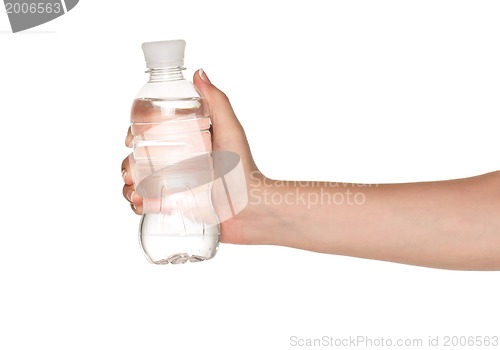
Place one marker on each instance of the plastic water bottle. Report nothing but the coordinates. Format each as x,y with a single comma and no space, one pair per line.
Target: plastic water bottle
173,166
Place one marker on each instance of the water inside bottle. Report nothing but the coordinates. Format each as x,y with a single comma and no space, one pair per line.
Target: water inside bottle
172,171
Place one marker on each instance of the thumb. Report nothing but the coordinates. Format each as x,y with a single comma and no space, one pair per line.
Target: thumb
221,112
228,134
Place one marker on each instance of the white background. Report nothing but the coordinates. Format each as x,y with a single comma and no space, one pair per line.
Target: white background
359,91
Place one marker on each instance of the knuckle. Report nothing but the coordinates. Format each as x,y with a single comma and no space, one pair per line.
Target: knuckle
223,97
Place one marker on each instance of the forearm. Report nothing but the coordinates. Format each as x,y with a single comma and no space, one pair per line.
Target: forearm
448,224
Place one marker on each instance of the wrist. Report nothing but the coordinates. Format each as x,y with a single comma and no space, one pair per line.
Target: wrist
260,222
273,217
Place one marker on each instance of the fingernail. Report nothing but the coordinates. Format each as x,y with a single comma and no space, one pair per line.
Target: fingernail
124,175
130,196
203,76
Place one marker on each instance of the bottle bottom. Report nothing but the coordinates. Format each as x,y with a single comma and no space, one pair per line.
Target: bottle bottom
180,259
165,240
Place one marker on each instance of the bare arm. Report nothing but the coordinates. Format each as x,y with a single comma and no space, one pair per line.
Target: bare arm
448,224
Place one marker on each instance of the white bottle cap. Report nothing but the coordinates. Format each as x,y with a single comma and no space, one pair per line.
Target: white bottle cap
167,53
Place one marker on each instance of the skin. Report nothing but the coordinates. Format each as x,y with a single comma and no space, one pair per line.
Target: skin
451,224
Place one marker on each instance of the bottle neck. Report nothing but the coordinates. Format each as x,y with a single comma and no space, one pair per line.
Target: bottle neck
165,74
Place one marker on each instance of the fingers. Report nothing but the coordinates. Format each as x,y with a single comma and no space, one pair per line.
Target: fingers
132,196
128,191
126,171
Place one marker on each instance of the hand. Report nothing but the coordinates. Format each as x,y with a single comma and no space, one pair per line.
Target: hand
227,135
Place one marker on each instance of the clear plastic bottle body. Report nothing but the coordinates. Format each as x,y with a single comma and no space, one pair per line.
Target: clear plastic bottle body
173,170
